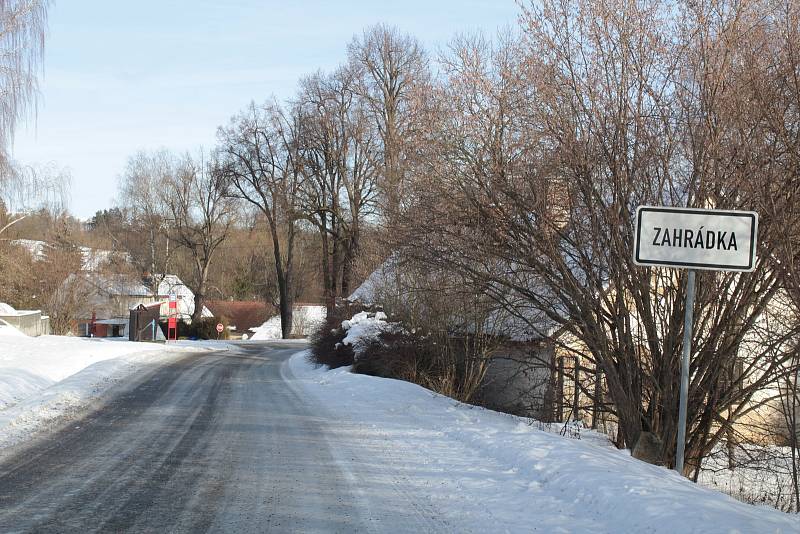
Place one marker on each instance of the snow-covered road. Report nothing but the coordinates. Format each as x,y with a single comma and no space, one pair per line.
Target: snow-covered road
214,441
256,440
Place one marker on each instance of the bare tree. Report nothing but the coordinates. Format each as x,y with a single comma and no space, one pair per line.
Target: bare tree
259,163
202,216
339,147
141,196
771,84
534,204
23,24
392,78
31,187
22,30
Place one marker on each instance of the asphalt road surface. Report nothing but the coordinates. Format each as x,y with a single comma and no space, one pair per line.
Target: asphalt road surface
215,442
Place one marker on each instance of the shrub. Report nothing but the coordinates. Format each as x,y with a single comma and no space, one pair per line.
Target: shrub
203,328
326,343
398,355
450,366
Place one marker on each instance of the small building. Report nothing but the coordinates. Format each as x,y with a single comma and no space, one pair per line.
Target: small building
144,323
29,322
117,327
106,302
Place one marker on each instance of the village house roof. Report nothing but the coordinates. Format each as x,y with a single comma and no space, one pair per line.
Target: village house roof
171,284
119,285
513,317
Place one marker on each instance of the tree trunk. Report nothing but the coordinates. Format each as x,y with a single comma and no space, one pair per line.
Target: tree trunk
200,292
598,396
560,391
327,283
285,279
576,400
153,255
286,307
350,253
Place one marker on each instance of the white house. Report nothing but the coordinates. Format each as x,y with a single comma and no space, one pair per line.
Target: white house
172,285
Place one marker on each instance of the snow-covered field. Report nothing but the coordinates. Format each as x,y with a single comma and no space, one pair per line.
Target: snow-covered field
476,470
46,378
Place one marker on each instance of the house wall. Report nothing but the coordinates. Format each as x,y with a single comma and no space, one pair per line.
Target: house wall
518,380
765,423
102,330
537,380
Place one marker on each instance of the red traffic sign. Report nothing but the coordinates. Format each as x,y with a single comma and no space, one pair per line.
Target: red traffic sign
220,328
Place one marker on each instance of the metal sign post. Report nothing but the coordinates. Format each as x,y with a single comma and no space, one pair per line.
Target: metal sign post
686,238
688,321
172,320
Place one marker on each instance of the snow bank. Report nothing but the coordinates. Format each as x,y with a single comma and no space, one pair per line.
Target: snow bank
48,377
305,319
8,330
271,329
483,471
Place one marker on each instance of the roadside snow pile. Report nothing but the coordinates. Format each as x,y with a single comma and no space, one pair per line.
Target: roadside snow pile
8,330
475,470
365,328
44,378
271,329
305,319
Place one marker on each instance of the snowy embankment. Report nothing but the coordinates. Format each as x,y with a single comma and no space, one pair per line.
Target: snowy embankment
305,320
483,471
47,378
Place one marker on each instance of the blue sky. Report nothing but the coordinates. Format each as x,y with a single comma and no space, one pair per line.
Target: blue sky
124,76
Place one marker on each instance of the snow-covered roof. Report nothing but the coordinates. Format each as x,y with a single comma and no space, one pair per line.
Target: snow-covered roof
513,316
119,284
171,284
8,311
116,321
380,278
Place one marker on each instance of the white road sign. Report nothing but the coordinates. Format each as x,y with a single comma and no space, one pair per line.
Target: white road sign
716,240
